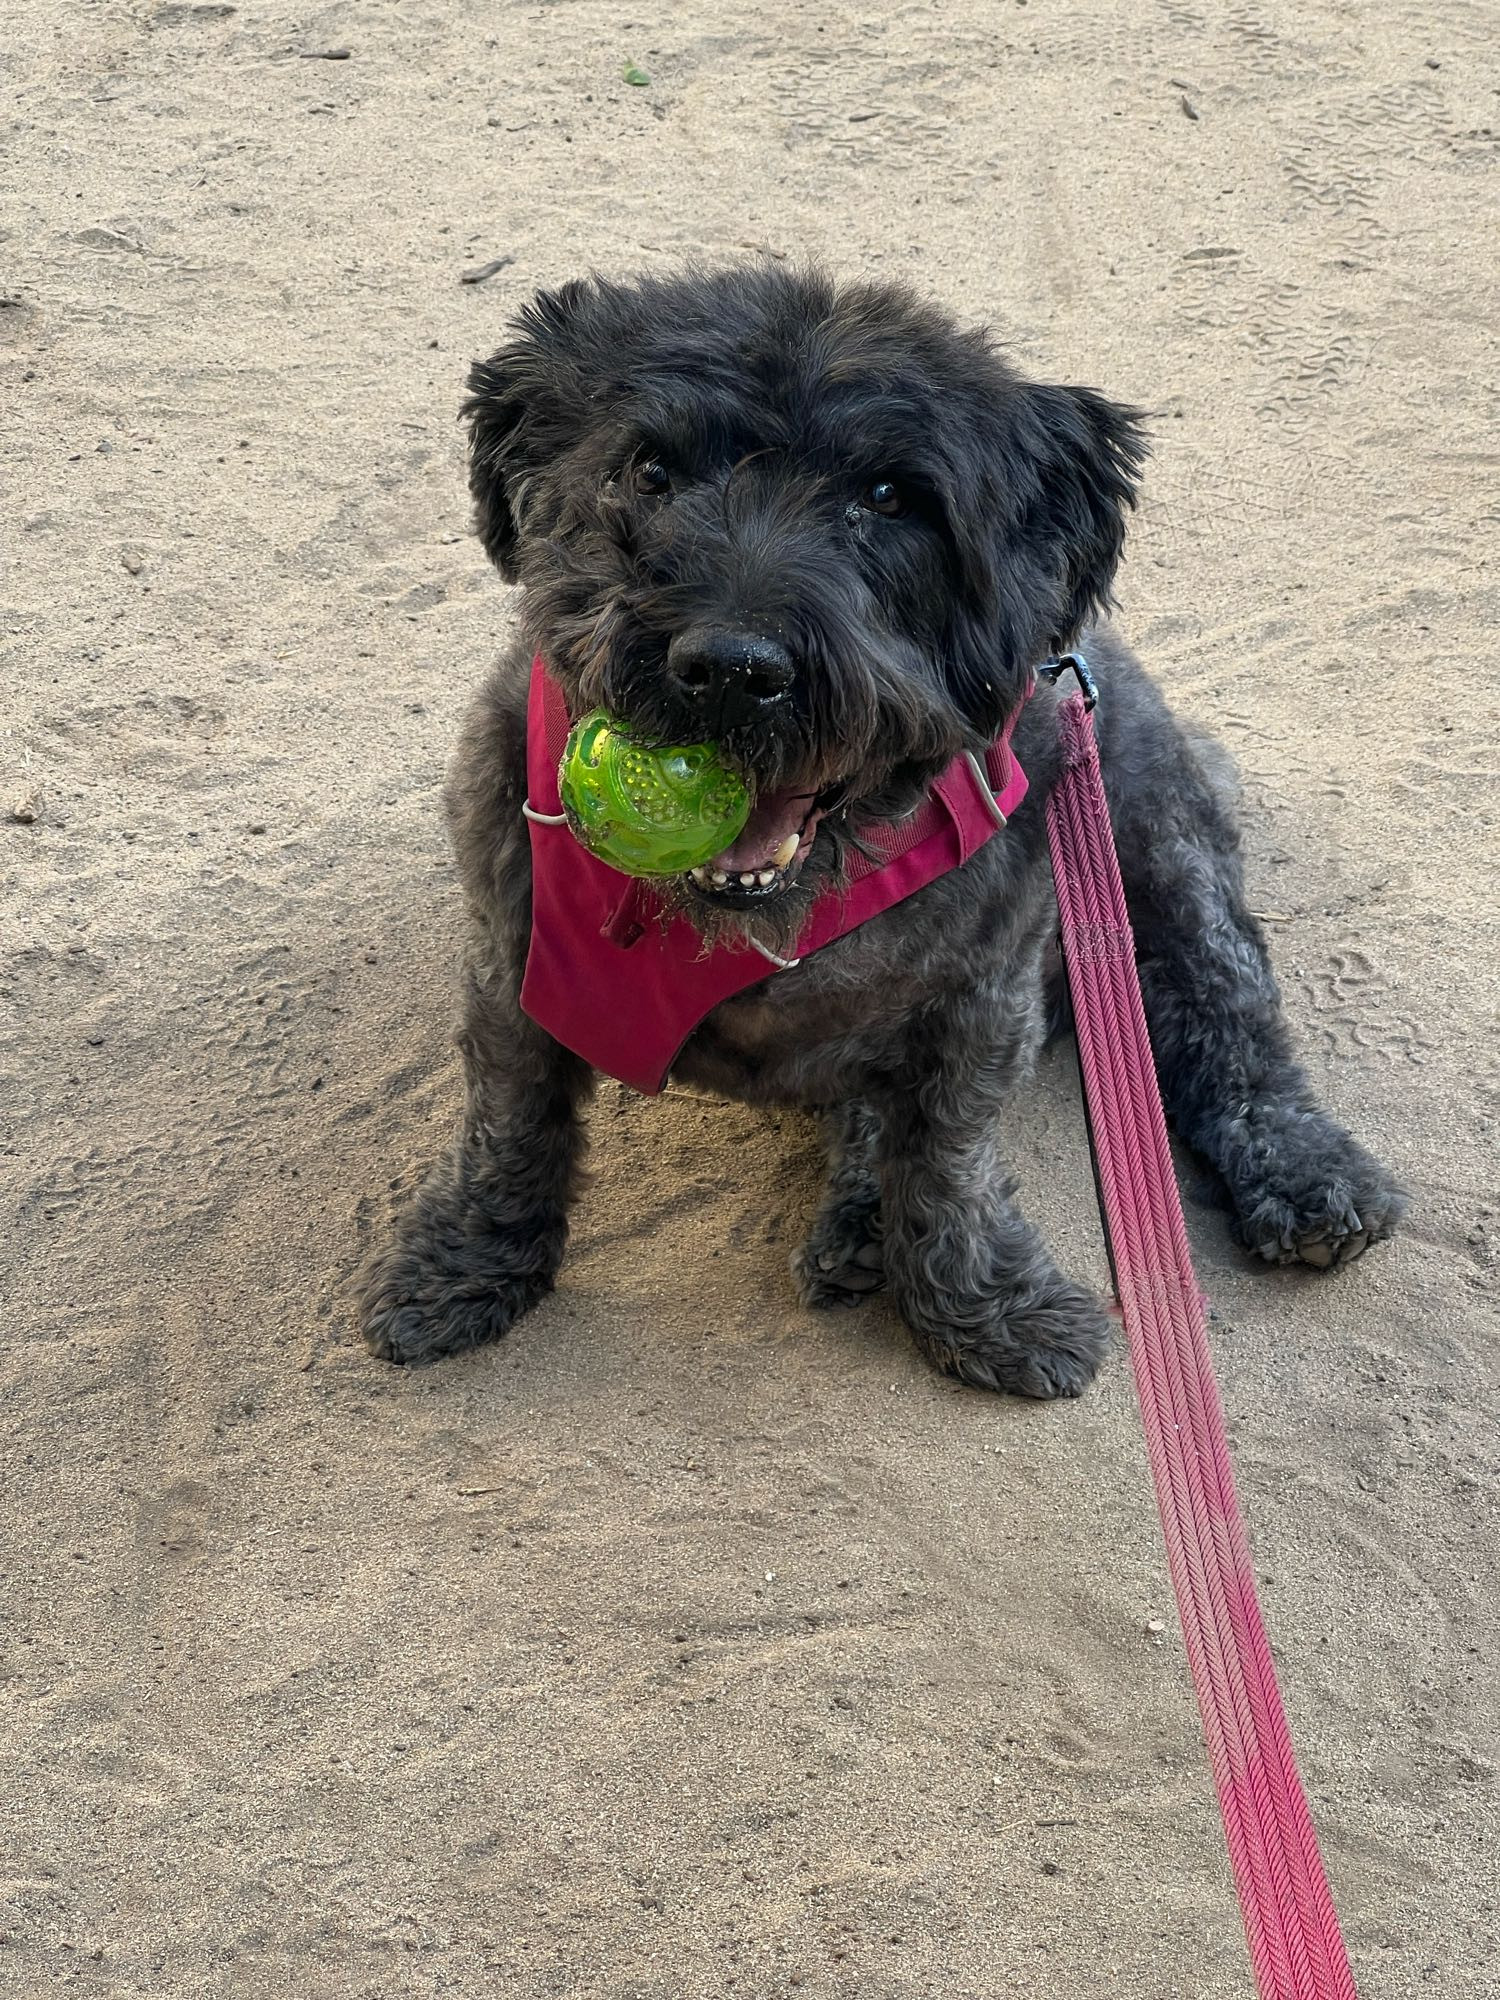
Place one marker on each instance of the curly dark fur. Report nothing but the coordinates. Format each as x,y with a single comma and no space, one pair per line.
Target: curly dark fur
776,401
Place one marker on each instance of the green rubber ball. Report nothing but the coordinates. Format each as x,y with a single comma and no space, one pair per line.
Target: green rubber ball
647,811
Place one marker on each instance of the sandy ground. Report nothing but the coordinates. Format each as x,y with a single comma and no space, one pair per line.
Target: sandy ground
689,1646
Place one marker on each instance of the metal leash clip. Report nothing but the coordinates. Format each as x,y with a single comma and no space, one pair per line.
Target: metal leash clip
1052,672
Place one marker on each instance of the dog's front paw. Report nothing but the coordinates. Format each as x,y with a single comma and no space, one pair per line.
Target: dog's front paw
1043,1342
409,1315
445,1286
843,1260
1316,1198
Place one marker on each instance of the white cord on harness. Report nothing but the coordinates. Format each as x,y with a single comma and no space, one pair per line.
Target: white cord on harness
984,785
781,964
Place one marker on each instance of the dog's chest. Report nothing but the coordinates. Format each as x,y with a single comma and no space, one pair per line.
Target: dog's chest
814,1034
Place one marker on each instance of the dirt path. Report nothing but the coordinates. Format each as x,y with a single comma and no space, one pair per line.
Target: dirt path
685,1646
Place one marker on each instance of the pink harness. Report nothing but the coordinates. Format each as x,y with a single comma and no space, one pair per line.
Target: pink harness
610,979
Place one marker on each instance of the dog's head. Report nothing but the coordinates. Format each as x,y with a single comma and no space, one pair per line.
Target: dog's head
818,525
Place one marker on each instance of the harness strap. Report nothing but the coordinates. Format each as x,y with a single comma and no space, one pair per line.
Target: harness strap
1293,1930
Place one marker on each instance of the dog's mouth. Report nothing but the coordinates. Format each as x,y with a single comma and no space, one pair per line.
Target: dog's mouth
767,856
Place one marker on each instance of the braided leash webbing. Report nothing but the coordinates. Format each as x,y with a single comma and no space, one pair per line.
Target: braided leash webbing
1295,1944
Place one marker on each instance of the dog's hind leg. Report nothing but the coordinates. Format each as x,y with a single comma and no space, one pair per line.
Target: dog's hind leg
843,1259
484,1235
1299,1186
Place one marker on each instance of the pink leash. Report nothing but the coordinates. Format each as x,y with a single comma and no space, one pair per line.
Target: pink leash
1295,1943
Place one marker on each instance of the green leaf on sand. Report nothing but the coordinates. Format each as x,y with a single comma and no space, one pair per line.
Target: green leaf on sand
636,75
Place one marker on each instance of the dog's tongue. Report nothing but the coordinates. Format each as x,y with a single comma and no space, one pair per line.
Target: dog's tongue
775,819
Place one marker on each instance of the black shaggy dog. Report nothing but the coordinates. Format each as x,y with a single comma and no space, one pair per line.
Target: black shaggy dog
823,527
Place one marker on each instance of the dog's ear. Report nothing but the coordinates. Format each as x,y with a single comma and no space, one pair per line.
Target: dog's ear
1084,455
1040,482
522,409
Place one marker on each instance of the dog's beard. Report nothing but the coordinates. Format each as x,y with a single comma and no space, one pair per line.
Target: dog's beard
775,924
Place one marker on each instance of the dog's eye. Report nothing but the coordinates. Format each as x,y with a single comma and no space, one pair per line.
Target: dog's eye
884,496
652,477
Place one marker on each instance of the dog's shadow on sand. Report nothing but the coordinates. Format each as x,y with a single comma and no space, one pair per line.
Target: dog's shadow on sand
695,1206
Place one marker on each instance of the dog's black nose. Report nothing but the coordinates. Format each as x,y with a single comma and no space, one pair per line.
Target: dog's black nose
728,679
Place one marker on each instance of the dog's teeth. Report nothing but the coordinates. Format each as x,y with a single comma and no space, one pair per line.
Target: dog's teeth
786,854
720,879
766,877
700,876
747,881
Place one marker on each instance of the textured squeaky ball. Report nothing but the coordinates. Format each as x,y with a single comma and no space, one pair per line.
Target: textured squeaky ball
643,810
